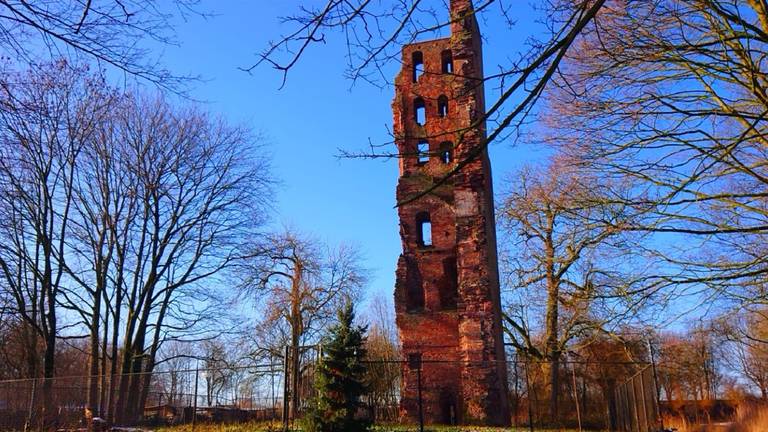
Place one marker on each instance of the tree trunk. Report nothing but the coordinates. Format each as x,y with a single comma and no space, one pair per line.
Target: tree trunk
121,414
134,386
552,321
30,341
48,374
112,405
93,368
296,331
150,365
33,364
554,397
133,397
103,366
146,379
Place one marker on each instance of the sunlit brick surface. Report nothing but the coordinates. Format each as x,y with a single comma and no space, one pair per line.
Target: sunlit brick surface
447,287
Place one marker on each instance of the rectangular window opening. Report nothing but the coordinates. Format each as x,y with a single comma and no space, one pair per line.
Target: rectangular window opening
423,151
421,115
418,65
446,152
426,233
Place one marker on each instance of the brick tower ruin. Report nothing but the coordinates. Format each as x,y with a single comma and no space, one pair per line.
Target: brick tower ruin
447,287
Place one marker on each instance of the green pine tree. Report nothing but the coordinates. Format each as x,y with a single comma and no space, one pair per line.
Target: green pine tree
340,379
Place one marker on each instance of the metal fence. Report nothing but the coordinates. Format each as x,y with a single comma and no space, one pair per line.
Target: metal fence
263,392
276,391
234,394
636,404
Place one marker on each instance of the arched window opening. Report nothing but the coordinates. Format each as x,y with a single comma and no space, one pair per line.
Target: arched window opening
423,152
447,407
446,152
447,60
418,65
419,111
425,229
442,106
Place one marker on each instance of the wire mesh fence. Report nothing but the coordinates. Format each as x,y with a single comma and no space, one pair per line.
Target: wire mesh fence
636,404
273,392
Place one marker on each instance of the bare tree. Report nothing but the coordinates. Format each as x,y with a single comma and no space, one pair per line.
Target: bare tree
124,214
105,32
20,348
217,370
380,315
687,364
563,233
174,378
301,284
746,336
105,212
672,95
383,357
47,117
201,189
98,207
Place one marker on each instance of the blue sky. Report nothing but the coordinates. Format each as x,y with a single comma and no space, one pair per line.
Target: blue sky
315,114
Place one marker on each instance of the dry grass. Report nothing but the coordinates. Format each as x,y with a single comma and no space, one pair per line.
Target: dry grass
676,422
749,418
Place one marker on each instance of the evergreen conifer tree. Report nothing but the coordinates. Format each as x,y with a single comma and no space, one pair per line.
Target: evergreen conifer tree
339,380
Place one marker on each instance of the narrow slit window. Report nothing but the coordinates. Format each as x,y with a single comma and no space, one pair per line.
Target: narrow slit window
414,289
426,233
442,106
446,152
425,229
449,284
419,111
423,152
447,60
418,65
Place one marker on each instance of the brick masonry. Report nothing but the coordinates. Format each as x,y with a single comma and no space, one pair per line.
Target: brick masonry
447,290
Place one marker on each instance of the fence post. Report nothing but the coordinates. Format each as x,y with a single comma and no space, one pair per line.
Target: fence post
194,405
30,416
414,362
644,423
272,385
286,383
576,395
636,416
528,392
517,391
656,389
612,404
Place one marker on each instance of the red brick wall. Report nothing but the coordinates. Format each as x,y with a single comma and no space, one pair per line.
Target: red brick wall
447,294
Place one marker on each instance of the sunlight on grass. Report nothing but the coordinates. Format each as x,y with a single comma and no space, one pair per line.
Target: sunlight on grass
276,427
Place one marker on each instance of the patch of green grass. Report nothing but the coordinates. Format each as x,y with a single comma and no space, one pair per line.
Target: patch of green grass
277,427
231,427
415,428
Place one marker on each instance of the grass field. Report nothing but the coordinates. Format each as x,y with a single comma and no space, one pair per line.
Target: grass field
276,427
